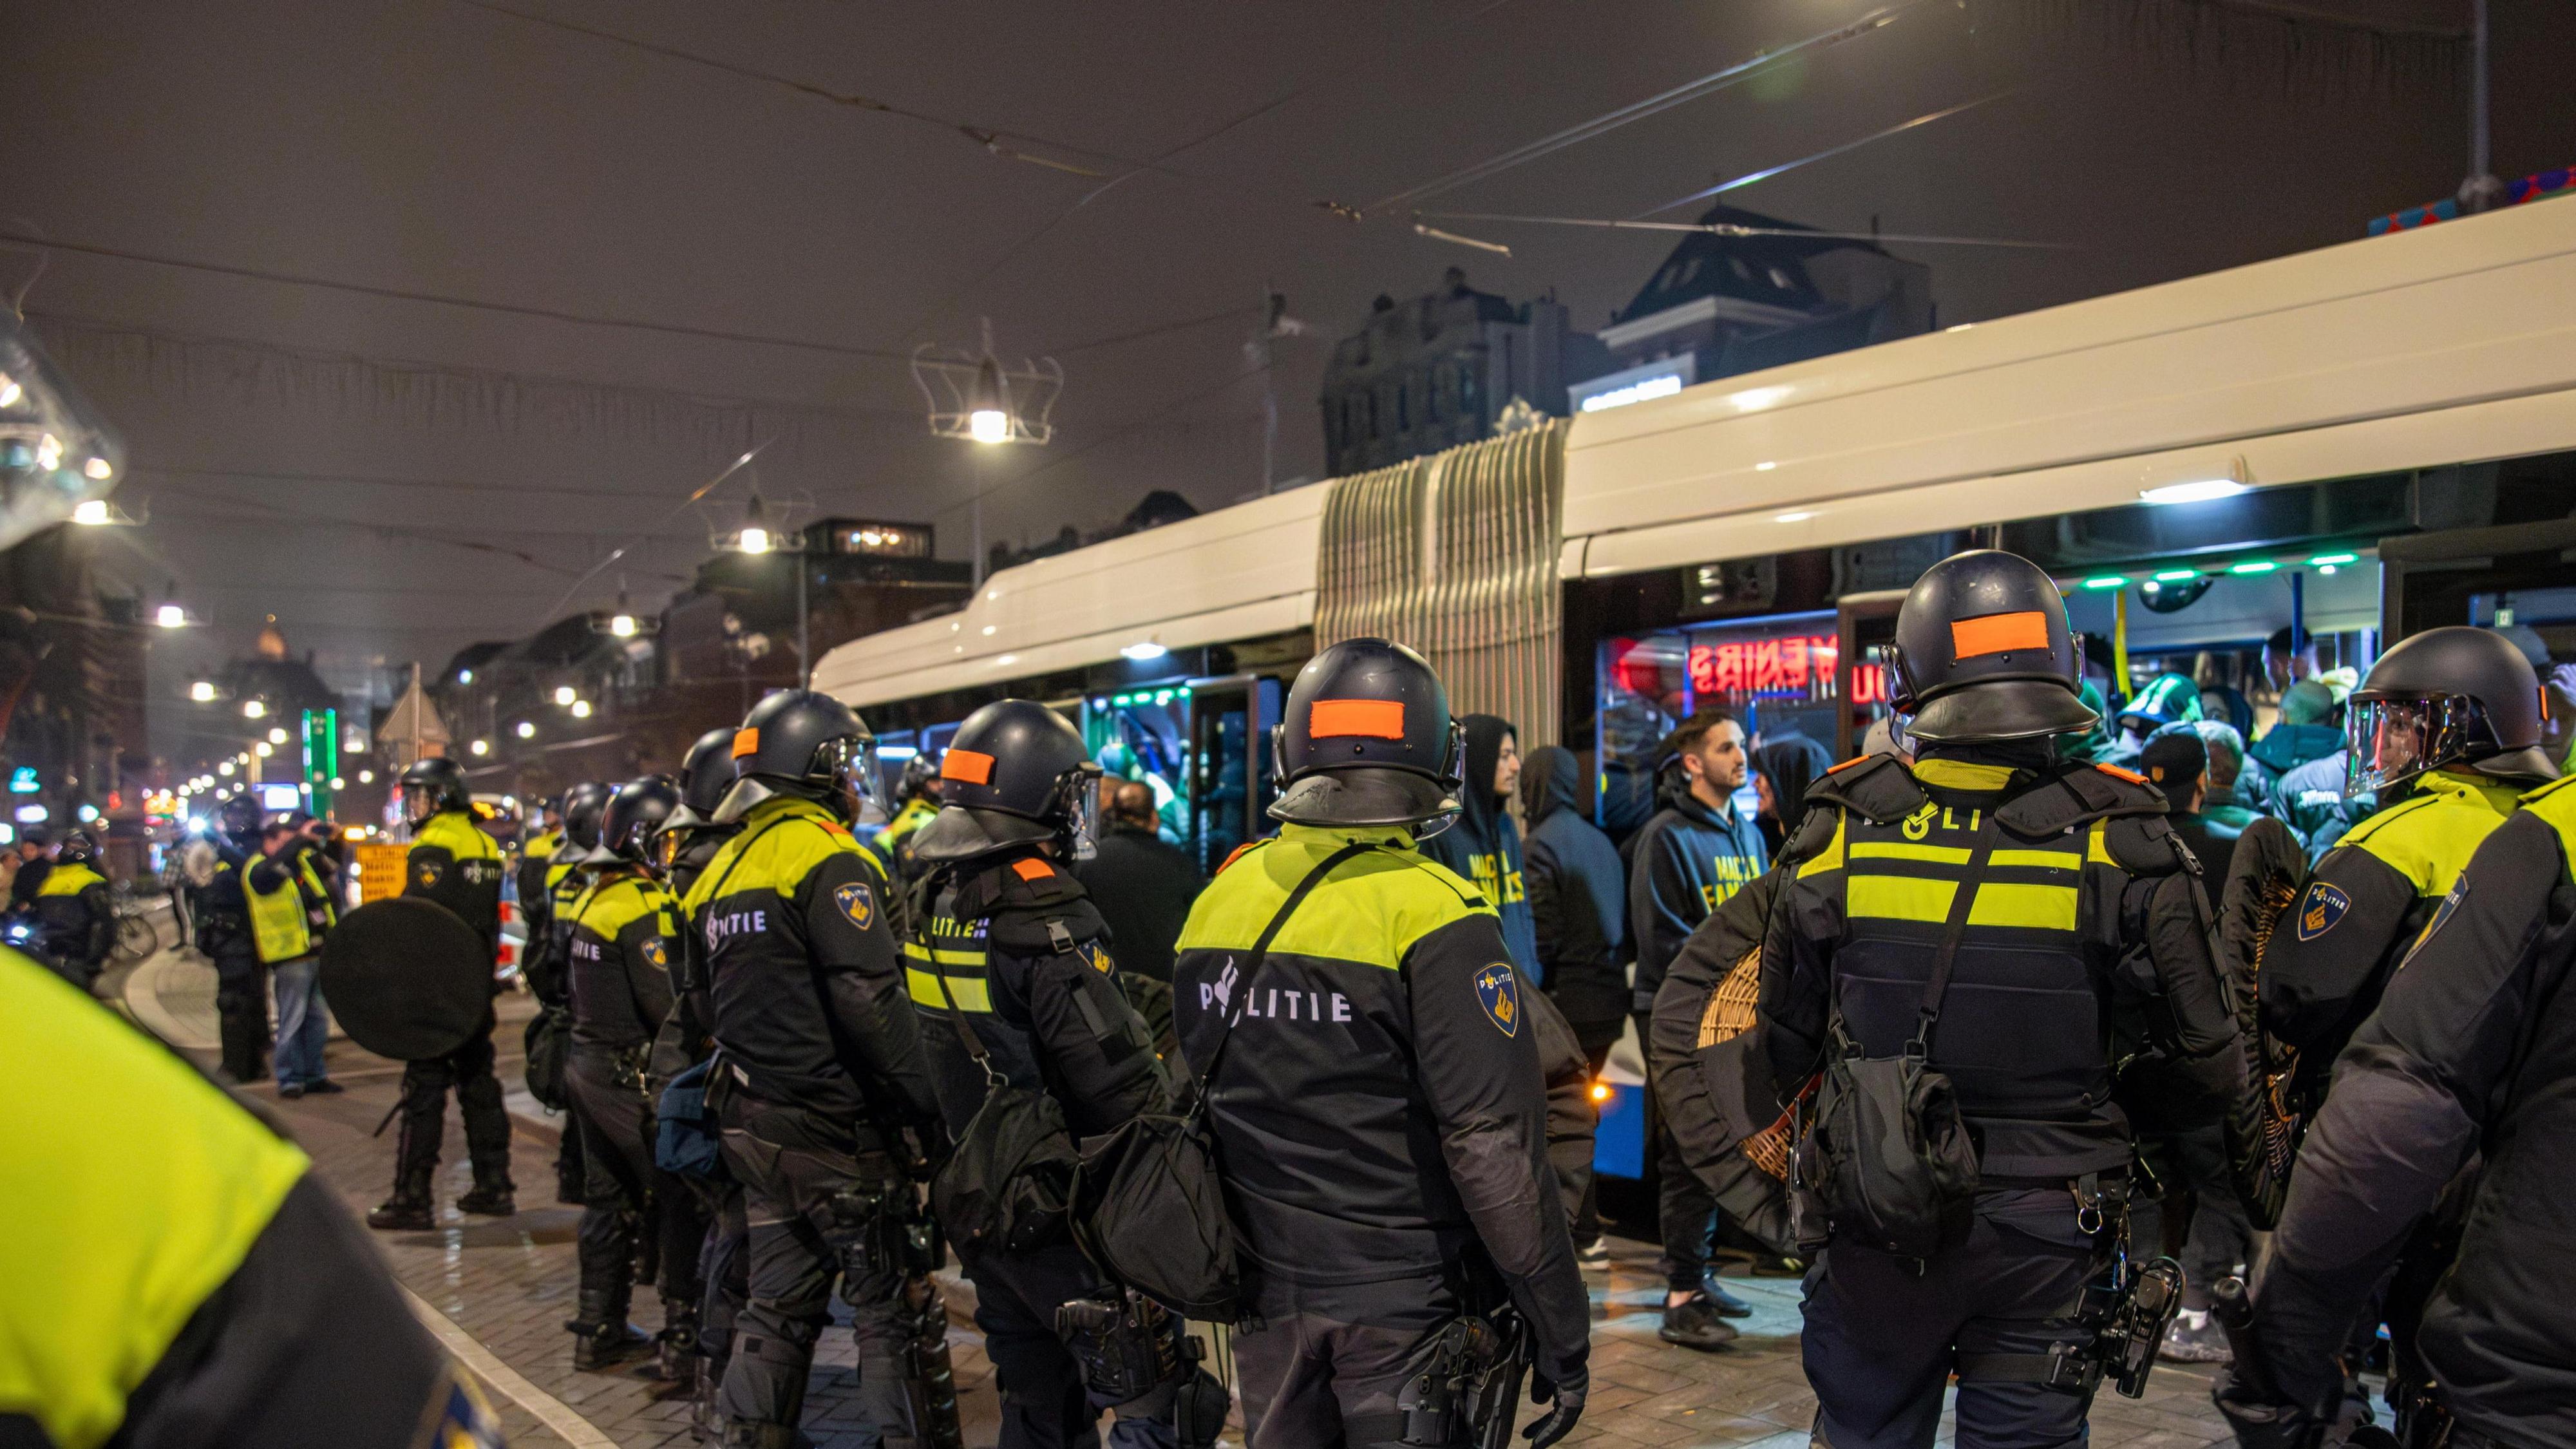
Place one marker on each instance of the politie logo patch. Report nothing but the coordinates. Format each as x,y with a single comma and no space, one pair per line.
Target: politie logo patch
858,903
1499,992
1092,955
2320,908
656,955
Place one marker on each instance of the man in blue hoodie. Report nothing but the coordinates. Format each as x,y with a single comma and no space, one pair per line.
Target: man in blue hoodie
1697,851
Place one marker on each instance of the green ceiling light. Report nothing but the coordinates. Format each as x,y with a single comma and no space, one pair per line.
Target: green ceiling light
2106,581
2176,576
2329,560
2258,566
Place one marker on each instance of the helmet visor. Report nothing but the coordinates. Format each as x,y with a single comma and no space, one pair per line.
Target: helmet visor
1080,808
420,800
851,760
2395,739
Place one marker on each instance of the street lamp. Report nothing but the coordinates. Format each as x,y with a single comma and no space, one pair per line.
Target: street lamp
203,691
527,730
581,709
276,736
756,536
565,694
253,709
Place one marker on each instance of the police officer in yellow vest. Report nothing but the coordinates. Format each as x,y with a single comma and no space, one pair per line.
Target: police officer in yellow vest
2470,1051
291,910
453,863
173,1272
1379,1106
917,795
625,936
2447,731
76,913
547,958
1012,972
819,1072
1993,916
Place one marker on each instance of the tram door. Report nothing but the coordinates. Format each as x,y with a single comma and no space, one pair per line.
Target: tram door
1230,785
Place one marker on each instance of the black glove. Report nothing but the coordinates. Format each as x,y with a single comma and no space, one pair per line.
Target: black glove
1559,1421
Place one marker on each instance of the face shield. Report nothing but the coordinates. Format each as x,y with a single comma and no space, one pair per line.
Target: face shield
851,763
2392,740
1078,802
419,802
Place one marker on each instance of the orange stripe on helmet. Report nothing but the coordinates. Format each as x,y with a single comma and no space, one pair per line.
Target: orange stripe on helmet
1998,634
1338,718
745,742
972,766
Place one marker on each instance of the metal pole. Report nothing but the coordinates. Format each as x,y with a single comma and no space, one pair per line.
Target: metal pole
2481,191
804,658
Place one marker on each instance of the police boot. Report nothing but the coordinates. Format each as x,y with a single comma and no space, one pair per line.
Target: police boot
679,1361
602,1338
492,1194
408,1210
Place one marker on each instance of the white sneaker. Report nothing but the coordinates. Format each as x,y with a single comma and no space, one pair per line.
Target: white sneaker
1593,1257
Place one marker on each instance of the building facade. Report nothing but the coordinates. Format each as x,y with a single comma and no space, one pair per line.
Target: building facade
1437,371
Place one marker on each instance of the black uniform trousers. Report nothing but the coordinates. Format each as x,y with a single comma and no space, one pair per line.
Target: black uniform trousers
624,1195
241,1010
791,1162
1044,1404
1881,1337
724,1271
1325,1367
426,1083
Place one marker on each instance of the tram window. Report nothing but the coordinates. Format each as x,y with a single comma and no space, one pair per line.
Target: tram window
1144,735
1775,674
2542,622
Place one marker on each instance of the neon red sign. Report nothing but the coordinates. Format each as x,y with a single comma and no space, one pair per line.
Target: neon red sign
1797,664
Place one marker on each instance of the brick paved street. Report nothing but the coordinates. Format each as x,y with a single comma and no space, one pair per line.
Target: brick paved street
508,1283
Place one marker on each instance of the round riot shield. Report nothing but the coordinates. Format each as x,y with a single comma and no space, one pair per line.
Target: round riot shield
406,978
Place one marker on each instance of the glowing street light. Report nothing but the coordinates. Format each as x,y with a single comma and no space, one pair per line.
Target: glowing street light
527,730
276,736
253,709
565,694
170,616
480,747
203,691
581,709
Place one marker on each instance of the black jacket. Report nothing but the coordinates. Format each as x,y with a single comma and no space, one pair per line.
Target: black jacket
1711,1071
1381,1109
1682,866
1142,888
1015,942
2085,930
2471,1050
1578,896
220,910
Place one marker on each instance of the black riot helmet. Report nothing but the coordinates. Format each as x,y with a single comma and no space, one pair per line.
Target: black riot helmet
1016,773
631,818
2456,695
1982,652
799,742
238,818
1366,739
583,804
706,773
77,849
432,785
920,780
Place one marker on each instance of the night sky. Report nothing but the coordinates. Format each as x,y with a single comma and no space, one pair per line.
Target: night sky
394,475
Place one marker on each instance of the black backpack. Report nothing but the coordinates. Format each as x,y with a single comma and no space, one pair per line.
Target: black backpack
1887,1160
1149,1202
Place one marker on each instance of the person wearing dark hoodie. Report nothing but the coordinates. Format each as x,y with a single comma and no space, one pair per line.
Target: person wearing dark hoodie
1578,899
1695,853
1485,846
1782,770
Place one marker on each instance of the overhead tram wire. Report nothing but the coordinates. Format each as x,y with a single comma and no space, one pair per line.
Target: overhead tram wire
1740,182
1609,121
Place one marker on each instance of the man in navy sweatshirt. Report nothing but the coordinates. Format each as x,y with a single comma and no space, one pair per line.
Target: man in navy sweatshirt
1697,851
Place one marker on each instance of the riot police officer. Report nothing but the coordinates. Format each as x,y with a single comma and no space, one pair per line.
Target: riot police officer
2469,1051
454,864
917,800
184,1276
222,916
625,933
1012,972
820,1071
1379,1105
689,838
547,965
1991,915
75,912
2447,731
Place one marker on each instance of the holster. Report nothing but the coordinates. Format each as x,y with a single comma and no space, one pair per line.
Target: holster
1127,1343
1466,1396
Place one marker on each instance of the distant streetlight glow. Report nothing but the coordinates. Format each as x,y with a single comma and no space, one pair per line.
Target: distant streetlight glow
277,736
623,626
565,694
203,691
170,616
225,768
754,540
90,512
527,730
253,709
480,747
581,709
263,749
989,425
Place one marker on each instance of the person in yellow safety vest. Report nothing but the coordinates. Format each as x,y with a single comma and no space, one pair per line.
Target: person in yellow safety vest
453,863
172,1272
546,961
290,912
919,793
75,916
